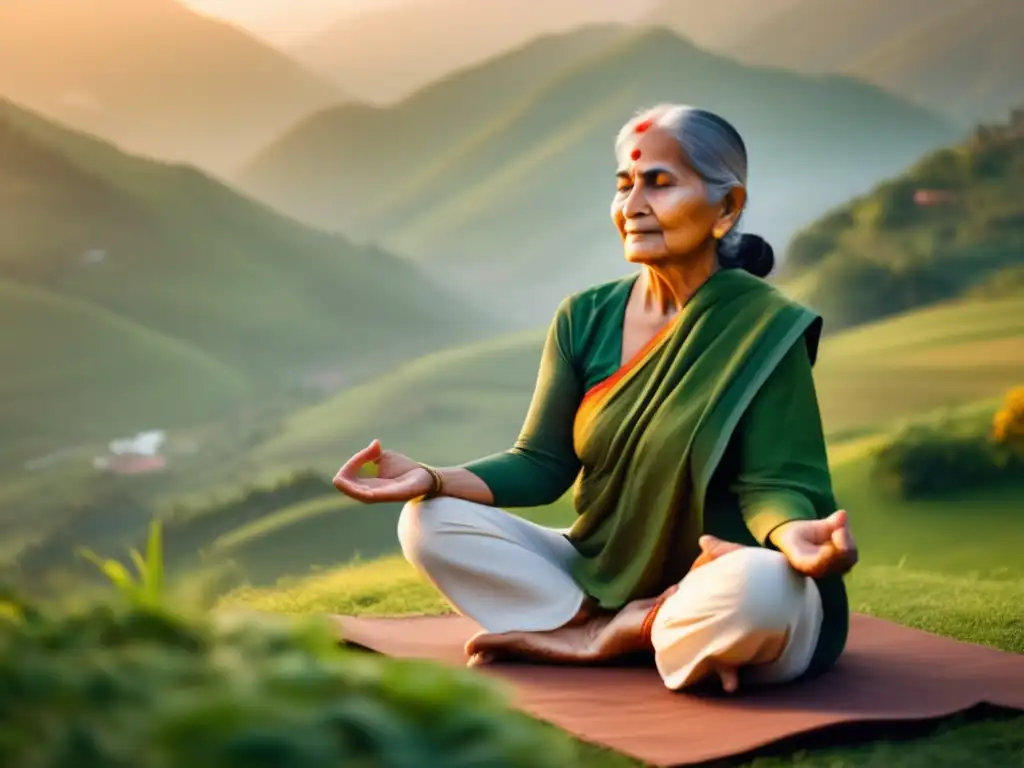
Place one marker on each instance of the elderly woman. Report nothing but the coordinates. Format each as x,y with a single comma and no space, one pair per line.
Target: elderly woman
680,402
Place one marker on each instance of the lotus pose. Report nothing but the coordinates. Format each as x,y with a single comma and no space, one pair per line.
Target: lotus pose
680,402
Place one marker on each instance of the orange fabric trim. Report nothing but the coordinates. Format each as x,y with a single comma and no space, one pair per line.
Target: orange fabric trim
630,365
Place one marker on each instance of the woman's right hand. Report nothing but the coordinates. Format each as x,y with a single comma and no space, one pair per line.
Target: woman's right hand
399,478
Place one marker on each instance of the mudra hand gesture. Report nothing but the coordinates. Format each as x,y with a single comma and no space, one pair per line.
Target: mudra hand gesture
399,478
815,548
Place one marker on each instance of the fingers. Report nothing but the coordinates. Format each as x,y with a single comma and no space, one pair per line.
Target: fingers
354,489
843,543
346,479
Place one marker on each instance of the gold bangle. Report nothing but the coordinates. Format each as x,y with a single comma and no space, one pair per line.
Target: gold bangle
437,484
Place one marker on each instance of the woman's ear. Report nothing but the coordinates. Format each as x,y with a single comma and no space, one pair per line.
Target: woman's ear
732,208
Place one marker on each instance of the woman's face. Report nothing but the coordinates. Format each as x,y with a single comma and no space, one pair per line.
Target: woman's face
660,207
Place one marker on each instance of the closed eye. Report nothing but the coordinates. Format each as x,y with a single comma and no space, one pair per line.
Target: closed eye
654,178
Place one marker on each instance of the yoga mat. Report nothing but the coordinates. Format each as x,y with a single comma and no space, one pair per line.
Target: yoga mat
888,674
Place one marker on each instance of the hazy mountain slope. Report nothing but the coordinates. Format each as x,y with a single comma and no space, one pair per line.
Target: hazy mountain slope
969,62
153,76
960,57
522,203
387,148
195,282
384,55
816,36
717,26
893,249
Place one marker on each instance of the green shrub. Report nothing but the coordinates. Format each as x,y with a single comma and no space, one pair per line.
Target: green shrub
130,682
139,686
929,461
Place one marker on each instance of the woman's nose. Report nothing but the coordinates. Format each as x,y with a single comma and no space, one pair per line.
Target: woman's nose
635,203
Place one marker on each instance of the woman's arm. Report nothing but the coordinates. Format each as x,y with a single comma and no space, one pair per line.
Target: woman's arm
783,472
542,464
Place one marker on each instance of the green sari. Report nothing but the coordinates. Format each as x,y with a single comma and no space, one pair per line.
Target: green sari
712,427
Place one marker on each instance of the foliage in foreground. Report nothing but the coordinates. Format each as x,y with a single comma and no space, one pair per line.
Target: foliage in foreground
130,682
120,685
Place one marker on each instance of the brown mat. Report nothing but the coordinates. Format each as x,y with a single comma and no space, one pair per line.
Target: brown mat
889,673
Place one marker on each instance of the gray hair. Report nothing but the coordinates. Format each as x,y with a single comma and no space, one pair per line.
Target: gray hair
714,148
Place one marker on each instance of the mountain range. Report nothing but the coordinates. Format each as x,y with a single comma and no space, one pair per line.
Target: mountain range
495,183
384,55
154,76
962,58
958,57
137,295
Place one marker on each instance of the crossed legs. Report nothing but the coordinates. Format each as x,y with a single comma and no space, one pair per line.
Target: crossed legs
746,610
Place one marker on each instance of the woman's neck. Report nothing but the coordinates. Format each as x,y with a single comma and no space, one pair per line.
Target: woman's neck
666,288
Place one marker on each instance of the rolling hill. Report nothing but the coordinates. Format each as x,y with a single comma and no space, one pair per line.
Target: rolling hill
384,55
959,57
137,294
468,401
153,76
525,193
950,222
456,404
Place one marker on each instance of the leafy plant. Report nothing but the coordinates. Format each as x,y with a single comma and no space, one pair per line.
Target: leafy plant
148,587
137,683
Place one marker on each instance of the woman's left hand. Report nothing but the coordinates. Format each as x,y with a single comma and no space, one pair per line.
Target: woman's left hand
818,548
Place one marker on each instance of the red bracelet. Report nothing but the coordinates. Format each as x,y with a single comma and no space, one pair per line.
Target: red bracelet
652,614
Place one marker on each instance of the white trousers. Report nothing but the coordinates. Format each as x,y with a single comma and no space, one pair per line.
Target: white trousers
748,609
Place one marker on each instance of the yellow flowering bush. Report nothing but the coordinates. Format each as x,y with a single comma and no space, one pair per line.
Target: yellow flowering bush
1008,424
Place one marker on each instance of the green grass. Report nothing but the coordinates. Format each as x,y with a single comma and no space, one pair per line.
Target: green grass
307,537
975,610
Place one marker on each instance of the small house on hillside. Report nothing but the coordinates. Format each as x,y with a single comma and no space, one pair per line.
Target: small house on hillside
933,197
134,455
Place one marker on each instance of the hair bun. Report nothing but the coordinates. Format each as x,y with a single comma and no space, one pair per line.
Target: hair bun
755,255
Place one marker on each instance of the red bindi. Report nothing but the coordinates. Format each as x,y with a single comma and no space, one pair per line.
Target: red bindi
641,127
635,154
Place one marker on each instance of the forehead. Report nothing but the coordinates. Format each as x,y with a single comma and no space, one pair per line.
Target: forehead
655,146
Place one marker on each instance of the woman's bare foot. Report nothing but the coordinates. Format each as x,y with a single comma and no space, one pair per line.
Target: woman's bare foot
594,639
